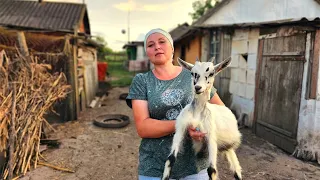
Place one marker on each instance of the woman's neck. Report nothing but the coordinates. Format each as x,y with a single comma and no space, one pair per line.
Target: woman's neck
166,72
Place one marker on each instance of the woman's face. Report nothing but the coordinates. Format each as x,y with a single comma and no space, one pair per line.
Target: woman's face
159,49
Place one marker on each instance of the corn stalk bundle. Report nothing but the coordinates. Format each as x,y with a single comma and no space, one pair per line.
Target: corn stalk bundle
27,92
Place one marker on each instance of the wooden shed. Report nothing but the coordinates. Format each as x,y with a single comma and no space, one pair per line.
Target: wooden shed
272,82
62,23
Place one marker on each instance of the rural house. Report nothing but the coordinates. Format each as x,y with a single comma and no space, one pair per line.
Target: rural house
187,43
272,83
137,58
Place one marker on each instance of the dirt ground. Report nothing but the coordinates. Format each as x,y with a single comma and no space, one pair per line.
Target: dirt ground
98,153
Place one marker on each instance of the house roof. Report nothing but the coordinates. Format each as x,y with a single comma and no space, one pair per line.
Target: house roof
178,32
211,11
223,3
132,44
302,21
43,15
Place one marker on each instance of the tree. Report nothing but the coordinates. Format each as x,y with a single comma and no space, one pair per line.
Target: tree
103,50
200,7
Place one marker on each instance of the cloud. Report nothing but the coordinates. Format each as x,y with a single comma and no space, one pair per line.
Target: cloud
134,6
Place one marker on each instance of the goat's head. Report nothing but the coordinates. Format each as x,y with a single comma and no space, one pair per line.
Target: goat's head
203,73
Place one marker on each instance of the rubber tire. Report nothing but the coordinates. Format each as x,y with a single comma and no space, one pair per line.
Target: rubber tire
123,96
102,121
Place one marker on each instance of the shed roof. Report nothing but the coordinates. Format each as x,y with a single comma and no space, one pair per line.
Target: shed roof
43,15
178,32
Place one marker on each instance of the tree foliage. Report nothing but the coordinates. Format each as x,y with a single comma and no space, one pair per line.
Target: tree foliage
200,7
103,50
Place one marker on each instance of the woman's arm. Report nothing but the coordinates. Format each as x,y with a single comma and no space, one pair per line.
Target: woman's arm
147,127
216,100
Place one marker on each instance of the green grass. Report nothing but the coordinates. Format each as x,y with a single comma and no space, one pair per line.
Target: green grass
122,76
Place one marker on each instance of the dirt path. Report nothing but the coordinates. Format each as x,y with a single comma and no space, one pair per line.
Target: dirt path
95,153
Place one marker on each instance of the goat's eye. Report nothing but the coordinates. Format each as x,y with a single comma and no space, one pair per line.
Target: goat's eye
211,74
192,74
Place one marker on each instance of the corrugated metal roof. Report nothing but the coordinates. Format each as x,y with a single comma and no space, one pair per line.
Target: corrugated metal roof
304,20
45,15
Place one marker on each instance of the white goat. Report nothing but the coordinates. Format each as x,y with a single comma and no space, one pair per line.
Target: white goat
218,122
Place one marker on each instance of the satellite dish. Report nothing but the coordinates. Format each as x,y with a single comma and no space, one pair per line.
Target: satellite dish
123,31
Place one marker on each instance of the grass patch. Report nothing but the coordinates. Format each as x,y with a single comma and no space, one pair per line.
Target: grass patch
121,77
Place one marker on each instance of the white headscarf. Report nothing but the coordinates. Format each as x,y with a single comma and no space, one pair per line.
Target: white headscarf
161,31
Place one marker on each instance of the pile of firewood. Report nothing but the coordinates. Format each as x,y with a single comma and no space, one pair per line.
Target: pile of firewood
27,92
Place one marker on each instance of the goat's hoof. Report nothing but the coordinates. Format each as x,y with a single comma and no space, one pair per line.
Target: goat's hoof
237,177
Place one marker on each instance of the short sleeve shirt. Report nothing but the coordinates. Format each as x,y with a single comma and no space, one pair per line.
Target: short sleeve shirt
166,98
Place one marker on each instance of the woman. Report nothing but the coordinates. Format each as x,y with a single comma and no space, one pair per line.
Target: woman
157,97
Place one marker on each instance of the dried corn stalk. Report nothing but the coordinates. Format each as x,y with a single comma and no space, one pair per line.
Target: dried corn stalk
36,91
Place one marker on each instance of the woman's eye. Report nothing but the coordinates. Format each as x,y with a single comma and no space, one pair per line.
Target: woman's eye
150,45
162,42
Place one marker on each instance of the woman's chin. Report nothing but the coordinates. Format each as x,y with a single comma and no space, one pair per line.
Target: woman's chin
160,62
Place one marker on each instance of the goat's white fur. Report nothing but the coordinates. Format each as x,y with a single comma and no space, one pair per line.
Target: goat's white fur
218,122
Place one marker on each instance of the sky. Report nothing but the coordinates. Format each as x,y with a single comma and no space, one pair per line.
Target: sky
109,17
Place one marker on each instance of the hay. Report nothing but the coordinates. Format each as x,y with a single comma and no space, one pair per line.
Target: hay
27,92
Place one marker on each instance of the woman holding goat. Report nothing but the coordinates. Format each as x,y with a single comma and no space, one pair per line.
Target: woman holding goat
157,97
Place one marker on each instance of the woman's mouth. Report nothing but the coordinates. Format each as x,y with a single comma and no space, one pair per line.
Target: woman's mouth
158,54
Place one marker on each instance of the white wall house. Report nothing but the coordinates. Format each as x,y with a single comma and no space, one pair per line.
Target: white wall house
272,83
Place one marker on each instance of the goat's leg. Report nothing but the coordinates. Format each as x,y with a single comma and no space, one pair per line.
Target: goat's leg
176,144
213,151
234,163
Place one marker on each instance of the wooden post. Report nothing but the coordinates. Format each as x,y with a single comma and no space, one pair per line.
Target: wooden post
75,71
315,66
71,81
23,43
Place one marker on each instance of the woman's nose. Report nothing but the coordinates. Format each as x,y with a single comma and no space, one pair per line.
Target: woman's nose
157,46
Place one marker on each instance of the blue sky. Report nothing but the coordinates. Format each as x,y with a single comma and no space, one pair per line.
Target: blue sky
109,17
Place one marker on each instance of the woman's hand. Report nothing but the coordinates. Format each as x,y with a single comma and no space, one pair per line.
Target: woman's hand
195,134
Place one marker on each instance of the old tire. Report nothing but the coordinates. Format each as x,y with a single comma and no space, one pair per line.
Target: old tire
123,96
105,121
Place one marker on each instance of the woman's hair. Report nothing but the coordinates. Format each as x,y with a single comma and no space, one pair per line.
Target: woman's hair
161,31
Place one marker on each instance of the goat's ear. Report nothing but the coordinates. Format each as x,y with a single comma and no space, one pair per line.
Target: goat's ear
212,59
225,63
197,59
185,64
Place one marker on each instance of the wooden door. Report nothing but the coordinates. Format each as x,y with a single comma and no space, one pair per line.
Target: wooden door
280,74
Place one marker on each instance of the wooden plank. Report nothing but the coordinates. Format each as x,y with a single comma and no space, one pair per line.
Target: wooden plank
256,94
287,133
288,58
297,53
315,66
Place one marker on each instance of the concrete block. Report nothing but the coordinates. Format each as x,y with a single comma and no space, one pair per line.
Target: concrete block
253,45
242,62
242,75
239,47
241,34
234,60
234,74
252,61
242,89
251,77
233,87
254,33
250,90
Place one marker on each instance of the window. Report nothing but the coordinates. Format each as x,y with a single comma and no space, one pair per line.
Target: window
215,41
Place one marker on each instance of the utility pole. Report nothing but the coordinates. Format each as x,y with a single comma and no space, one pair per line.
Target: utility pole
129,4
